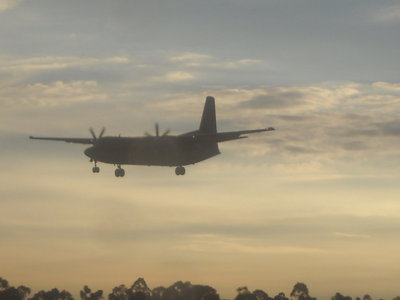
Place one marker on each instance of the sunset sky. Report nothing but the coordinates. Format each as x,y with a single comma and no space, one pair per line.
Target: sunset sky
316,201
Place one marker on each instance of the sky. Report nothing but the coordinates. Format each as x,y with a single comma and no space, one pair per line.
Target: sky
316,201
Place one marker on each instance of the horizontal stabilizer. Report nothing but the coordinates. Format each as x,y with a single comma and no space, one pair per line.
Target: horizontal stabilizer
222,136
234,135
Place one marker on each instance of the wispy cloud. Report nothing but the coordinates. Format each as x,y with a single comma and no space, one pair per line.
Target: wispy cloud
351,235
8,4
220,244
53,94
178,76
191,58
387,85
208,61
389,14
57,62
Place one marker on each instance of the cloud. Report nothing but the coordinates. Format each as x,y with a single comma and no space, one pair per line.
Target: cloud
316,121
300,150
52,94
197,60
210,243
389,14
390,128
44,63
191,58
178,76
276,100
8,4
301,98
351,235
387,85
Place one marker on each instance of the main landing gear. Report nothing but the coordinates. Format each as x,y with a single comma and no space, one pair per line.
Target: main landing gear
180,171
95,169
119,172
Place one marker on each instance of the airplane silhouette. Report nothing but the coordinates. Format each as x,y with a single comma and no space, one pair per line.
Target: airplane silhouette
159,150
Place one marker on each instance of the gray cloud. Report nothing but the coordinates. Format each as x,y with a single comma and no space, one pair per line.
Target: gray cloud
275,100
355,146
390,128
300,150
389,13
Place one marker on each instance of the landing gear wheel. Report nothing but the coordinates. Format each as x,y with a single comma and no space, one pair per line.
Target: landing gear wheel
95,169
119,172
180,171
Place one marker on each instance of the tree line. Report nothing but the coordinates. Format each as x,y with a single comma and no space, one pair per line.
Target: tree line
140,291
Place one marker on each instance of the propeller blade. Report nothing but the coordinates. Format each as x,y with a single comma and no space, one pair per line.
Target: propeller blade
93,134
166,132
102,132
157,130
147,134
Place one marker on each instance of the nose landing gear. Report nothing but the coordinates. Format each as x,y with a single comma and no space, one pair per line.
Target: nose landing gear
119,172
180,171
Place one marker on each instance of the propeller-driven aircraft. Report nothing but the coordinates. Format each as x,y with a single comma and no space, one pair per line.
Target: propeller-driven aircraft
161,149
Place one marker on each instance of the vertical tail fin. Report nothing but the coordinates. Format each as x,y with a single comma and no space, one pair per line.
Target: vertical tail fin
208,122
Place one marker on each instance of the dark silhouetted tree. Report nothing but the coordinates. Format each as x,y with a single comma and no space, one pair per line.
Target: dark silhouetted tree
185,291
281,296
11,293
140,285
3,284
119,293
138,296
139,290
86,294
54,294
24,291
300,292
367,297
211,297
178,291
204,292
244,294
339,296
261,295
159,293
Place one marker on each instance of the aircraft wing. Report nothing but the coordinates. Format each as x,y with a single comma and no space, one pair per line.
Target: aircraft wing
234,135
68,140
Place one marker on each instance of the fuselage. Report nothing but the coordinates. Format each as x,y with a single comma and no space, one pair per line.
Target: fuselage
161,149
151,150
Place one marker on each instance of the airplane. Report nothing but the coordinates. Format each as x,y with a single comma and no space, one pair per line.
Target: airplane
159,150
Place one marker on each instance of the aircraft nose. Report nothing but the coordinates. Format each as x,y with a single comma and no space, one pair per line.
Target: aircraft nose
89,152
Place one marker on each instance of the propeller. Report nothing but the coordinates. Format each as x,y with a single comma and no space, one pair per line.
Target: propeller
95,138
157,129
